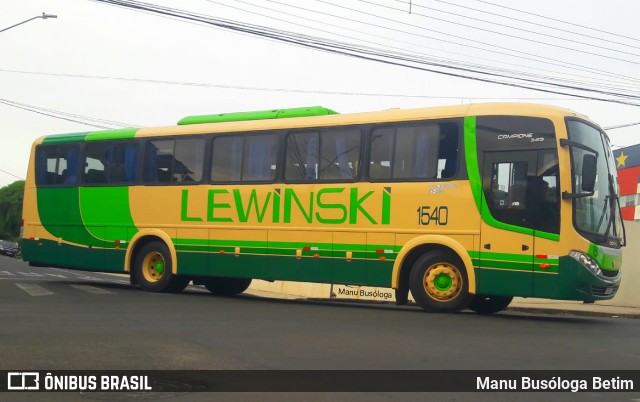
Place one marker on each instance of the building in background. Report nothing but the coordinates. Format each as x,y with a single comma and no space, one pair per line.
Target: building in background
628,163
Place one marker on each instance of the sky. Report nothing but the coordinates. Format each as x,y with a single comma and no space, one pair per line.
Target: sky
99,66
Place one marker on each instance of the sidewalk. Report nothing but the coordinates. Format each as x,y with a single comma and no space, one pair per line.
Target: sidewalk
563,307
525,305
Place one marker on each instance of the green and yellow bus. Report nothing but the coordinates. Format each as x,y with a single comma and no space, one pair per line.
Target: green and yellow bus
463,206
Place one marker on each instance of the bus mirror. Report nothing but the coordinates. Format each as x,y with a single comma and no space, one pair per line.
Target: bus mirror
588,172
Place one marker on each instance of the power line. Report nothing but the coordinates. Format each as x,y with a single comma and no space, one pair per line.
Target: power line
56,114
272,89
11,174
558,20
520,37
458,62
367,53
519,73
622,126
538,24
565,63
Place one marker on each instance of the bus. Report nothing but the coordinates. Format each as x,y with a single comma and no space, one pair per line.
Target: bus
462,207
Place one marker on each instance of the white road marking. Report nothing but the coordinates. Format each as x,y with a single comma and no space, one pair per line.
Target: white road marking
29,274
6,273
34,290
92,289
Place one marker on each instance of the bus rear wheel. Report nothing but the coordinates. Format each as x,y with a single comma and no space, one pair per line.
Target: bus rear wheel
152,269
438,282
226,286
489,304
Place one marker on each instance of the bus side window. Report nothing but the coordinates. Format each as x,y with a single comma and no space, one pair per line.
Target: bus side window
46,160
382,141
339,155
188,160
260,158
303,152
427,152
227,158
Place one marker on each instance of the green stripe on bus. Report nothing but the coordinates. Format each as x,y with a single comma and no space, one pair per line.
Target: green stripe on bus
288,245
118,134
475,181
106,213
471,158
64,138
257,115
59,210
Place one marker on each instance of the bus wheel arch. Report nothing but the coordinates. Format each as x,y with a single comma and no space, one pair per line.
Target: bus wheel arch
418,247
152,264
143,237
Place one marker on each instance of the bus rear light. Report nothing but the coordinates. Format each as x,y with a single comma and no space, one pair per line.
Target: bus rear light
545,266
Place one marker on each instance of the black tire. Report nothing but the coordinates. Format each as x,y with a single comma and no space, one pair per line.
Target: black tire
179,284
226,286
152,269
489,304
438,282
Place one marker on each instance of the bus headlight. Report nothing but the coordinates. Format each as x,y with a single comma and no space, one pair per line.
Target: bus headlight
586,262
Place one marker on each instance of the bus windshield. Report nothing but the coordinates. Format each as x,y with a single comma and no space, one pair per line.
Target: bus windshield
596,216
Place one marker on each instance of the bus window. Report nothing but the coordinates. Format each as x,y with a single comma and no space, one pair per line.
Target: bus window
189,160
227,159
425,152
46,160
508,186
57,165
260,158
381,153
174,161
302,156
108,162
339,155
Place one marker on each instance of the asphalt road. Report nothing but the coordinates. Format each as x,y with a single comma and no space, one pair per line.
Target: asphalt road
54,319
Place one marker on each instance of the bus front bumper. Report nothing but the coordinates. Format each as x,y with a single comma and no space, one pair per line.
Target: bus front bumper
576,282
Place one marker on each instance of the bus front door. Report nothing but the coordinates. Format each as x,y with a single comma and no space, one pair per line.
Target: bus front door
506,238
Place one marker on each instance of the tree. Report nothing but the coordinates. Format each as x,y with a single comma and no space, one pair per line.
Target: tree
11,209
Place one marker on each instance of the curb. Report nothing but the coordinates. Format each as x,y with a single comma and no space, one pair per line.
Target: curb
565,312
569,312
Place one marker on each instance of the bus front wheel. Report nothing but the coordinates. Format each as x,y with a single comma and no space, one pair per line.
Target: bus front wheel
438,282
152,269
226,286
489,304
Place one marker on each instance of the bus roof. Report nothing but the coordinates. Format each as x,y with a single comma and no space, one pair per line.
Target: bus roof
316,116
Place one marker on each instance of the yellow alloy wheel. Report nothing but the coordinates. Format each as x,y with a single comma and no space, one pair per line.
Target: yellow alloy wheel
153,266
442,282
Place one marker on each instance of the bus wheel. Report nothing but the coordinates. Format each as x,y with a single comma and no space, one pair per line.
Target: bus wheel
438,282
489,304
179,284
226,286
152,268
